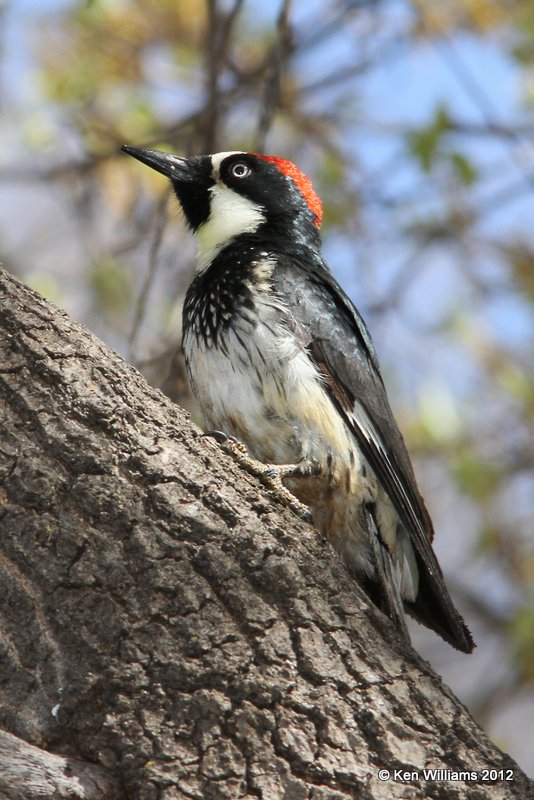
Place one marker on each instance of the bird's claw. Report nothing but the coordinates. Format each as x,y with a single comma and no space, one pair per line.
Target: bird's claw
271,475
219,436
230,445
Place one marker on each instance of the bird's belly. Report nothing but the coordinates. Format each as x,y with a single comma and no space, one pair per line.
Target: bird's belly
272,398
231,400
268,394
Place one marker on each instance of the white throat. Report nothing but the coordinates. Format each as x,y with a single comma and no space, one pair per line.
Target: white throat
230,215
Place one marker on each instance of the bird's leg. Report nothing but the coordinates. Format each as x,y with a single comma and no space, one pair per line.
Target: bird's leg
271,475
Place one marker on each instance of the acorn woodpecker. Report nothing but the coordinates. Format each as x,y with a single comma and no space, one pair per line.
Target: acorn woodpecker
279,357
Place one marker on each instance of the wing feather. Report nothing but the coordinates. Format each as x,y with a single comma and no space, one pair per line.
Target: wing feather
339,343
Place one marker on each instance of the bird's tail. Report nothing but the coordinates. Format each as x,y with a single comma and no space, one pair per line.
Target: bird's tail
387,576
431,604
434,608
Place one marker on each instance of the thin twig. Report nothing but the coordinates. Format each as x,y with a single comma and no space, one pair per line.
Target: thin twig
279,58
219,30
160,217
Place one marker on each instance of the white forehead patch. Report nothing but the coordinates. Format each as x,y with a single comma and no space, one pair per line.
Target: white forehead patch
230,215
218,158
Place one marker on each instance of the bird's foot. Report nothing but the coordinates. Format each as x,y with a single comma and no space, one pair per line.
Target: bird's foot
271,475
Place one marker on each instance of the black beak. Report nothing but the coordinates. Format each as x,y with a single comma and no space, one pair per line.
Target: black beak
174,167
190,177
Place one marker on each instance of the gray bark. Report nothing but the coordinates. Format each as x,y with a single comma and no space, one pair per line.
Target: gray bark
28,773
168,623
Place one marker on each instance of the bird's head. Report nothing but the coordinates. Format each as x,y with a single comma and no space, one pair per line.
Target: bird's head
226,195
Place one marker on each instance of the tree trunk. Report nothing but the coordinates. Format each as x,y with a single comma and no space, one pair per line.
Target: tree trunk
168,623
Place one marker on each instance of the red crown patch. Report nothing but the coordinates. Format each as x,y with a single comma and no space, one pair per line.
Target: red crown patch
301,181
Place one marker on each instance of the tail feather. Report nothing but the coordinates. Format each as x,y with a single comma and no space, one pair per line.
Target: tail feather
387,576
434,609
432,605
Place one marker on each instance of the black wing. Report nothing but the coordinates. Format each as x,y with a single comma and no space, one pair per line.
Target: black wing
339,343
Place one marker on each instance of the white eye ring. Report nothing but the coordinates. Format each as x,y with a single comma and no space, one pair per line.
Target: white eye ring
240,170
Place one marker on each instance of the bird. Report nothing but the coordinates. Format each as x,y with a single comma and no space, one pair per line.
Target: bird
279,359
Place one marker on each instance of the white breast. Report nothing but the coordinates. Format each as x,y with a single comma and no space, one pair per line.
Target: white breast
258,384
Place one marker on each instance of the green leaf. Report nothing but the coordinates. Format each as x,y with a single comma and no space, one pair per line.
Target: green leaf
424,143
464,169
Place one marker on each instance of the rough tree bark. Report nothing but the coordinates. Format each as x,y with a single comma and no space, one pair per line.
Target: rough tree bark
167,630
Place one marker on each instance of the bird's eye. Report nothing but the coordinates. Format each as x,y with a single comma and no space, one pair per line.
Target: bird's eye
240,170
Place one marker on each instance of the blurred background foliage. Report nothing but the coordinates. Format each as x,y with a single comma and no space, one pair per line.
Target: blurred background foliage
414,119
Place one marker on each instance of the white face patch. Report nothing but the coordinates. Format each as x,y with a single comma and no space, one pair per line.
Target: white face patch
230,215
218,158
